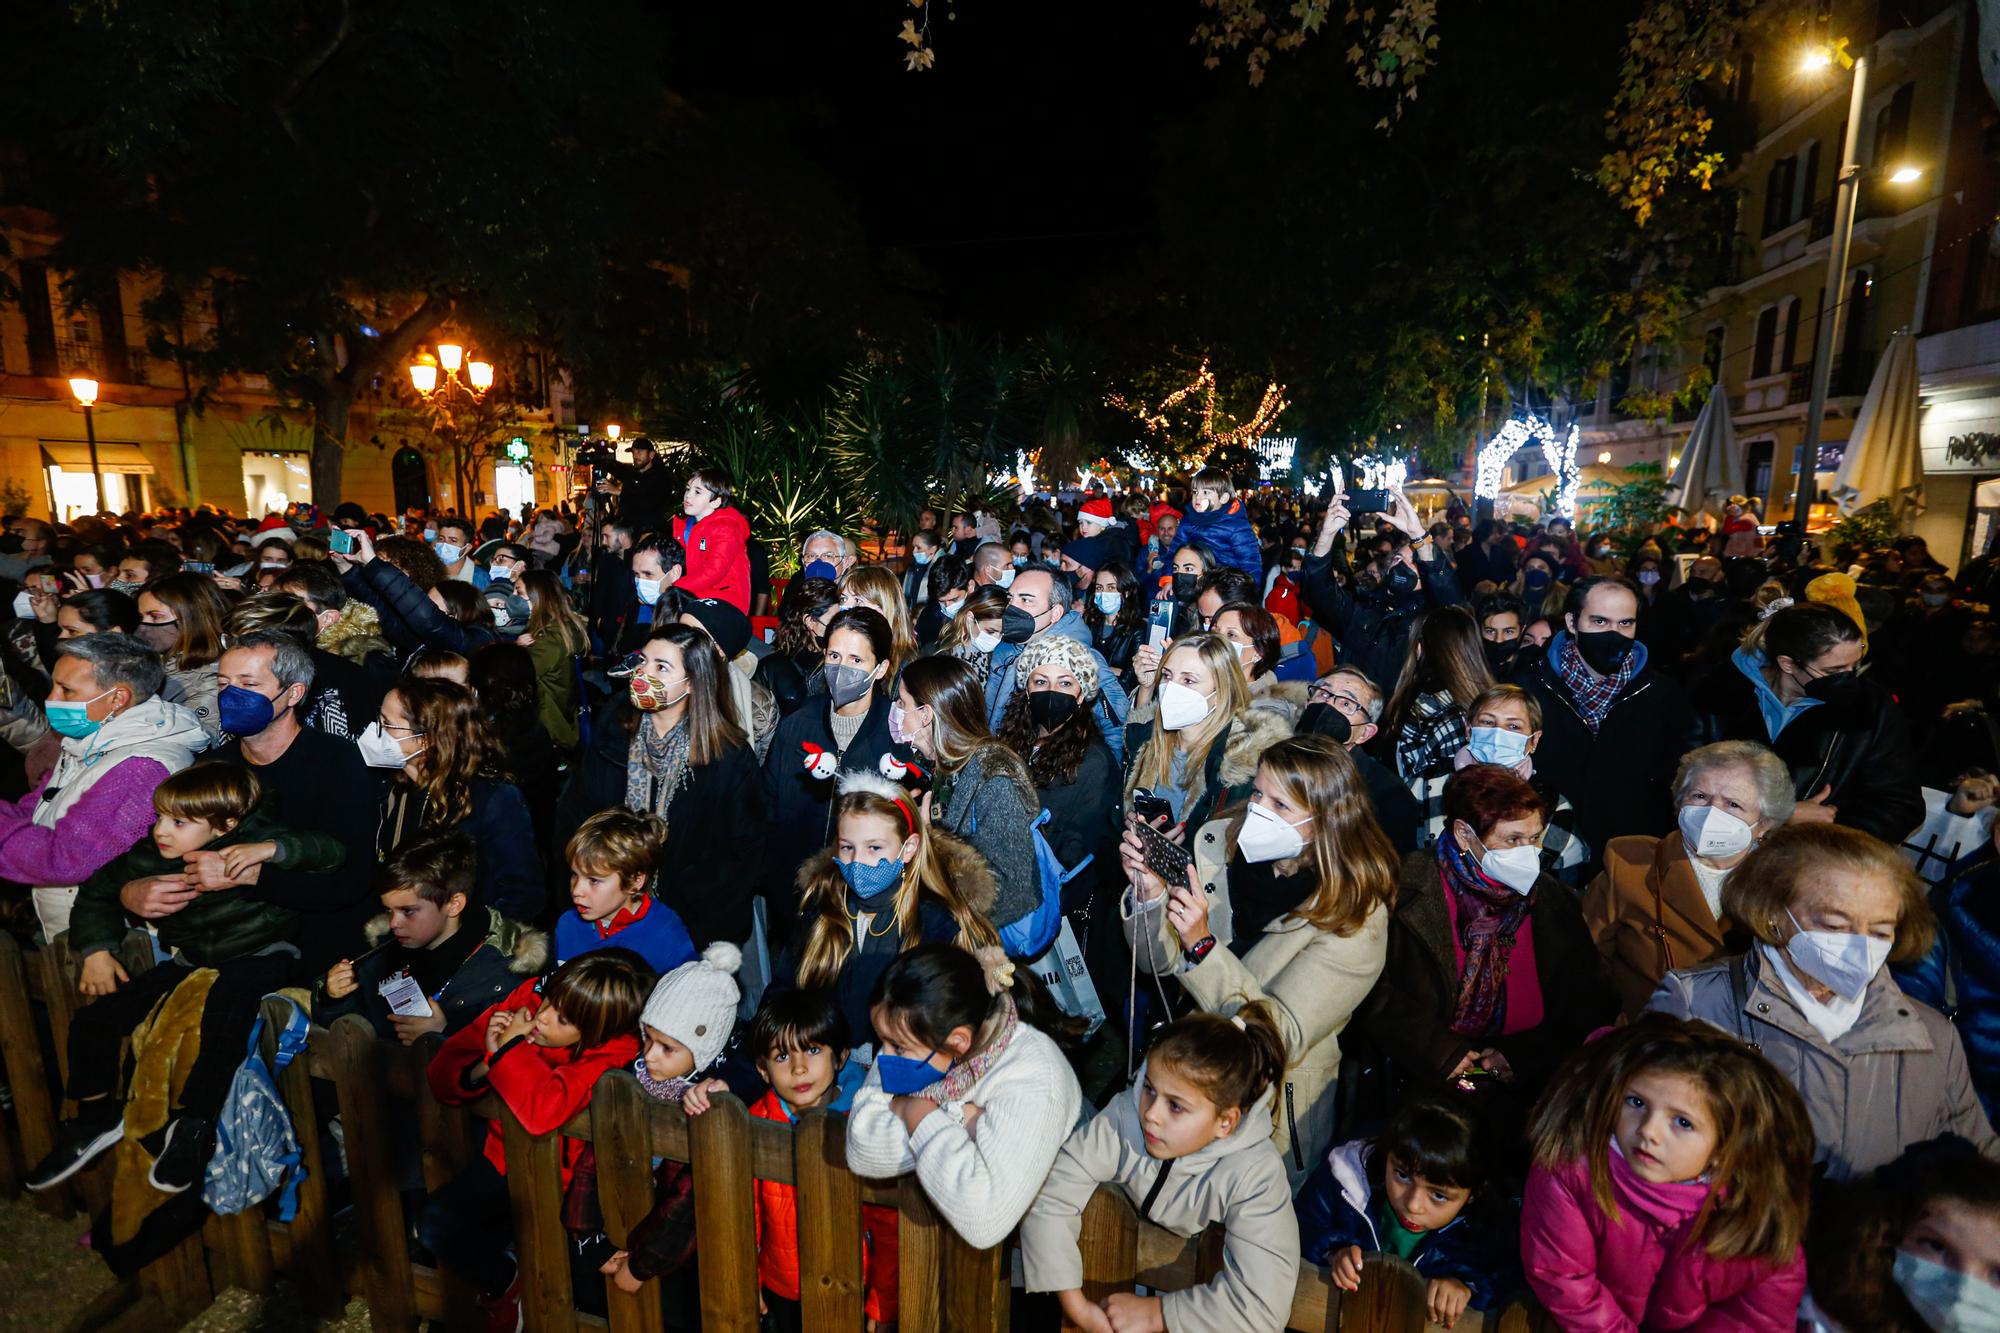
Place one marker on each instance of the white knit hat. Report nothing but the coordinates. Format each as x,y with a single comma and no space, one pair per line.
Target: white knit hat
695,1004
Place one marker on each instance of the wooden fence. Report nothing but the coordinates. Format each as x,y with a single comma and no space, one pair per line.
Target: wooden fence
381,1089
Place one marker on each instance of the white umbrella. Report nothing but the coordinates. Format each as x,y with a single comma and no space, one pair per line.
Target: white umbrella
1882,460
1711,467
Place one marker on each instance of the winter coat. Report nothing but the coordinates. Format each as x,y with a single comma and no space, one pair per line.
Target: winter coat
1232,758
555,688
1594,1275
1225,531
1960,976
799,805
1112,708
410,619
718,556
542,1085
1646,911
1238,1182
215,927
1396,810
508,953
715,826
1314,980
1028,1101
778,1234
1620,777
1338,1208
344,696
1083,822
1374,626
1860,748
791,680
195,689
356,635
508,877
1896,1078
991,812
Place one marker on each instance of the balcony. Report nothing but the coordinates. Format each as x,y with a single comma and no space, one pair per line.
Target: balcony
1878,200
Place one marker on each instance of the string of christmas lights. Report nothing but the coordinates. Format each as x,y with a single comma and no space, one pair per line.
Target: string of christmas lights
1154,420
1516,435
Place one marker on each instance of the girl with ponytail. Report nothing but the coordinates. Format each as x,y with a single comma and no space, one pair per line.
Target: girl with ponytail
1190,1144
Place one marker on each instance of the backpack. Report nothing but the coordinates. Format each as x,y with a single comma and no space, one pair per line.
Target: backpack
256,1151
1031,935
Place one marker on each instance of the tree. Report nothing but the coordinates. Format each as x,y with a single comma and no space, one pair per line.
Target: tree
457,430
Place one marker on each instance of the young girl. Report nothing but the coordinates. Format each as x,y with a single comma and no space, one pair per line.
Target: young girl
1190,1144
1671,1168
612,857
1409,1192
541,1050
957,1062
888,882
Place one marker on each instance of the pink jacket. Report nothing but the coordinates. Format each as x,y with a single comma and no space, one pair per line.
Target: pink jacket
1598,1277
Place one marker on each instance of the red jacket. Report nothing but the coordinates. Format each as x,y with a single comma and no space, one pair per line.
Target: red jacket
718,559
778,1235
542,1086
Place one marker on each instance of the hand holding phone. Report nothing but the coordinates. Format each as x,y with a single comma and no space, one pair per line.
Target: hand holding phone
339,542
1168,860
1373,501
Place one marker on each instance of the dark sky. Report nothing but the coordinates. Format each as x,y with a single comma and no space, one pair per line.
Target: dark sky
1017,171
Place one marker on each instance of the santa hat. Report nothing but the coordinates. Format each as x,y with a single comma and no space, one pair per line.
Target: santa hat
1098,513
696,1003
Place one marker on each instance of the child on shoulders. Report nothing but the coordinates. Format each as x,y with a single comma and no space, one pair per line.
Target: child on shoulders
612,858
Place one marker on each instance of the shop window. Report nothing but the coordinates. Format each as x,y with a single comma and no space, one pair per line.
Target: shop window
271,481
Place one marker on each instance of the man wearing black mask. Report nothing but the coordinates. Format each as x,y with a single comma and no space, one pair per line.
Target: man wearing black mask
1503,625
1346,707
1372,622
1613,731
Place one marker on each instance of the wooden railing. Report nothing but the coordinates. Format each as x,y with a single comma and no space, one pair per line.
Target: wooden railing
381,1091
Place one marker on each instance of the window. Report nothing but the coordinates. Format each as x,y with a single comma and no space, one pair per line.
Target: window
1711,353
1791,347
1808,181
42,359
1778,186
1767,337
1892,127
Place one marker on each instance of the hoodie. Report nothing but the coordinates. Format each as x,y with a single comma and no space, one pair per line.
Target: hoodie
1225,531
1238,1181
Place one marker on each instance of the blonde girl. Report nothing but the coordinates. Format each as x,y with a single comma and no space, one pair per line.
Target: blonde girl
1193,737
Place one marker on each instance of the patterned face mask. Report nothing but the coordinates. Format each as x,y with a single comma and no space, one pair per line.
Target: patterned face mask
649,695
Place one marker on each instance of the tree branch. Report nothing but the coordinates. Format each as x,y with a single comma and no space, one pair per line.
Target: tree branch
315,61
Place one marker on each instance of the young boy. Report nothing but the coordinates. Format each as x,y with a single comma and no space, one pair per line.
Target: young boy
437,961
1215,518
249,942
800,1042
612,857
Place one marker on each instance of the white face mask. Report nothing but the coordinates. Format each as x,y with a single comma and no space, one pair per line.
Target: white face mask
381,750
1843,962
950,609
1265,836
1003,578
1947,1300
1497,745
24,606
1516,867
1712,832
986,641
1181,707
649,590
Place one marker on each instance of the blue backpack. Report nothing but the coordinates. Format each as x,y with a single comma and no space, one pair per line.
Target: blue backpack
256,1151
1031,936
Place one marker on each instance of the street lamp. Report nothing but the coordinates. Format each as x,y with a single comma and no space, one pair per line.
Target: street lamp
451,359
85,391
613,431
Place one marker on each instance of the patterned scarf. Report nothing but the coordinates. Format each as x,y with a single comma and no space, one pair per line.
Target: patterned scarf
656,768
959,1080
1489,916
1594,693
661,1089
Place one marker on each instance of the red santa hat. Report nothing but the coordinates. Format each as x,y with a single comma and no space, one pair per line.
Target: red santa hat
1097,511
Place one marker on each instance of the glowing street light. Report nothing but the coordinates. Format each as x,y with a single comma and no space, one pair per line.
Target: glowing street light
613,431
451,359
85,391
450,356
424,375
480,375
1815,60
1906,175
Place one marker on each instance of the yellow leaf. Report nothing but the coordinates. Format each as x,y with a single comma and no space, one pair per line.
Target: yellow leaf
910,34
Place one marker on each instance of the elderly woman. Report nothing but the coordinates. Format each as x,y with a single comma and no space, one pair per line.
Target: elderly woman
1828,906
1657,904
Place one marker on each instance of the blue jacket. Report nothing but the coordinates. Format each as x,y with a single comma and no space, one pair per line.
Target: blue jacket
658,937
1960,976
1111,708
1337,1208
1227,533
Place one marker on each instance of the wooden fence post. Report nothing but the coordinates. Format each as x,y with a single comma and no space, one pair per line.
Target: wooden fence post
378,1202
21,1049
976,1284
919,1259
1391,1299
313,1264
724,1216
447,1133
621,1127
832,1292
1109,1241
534,1184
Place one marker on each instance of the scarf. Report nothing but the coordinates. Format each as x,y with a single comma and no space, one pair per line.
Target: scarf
433,968
662,1089
656,768
1489,916
1594,694
963,1076
1259,895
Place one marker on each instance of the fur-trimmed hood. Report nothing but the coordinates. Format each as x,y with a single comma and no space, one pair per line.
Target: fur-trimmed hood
525,948
357,634
1286,698
959,860
1253,731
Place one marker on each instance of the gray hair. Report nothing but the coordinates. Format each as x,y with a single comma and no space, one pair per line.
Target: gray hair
1060,592
118,659
291,663
846,547
1374,702
1768,773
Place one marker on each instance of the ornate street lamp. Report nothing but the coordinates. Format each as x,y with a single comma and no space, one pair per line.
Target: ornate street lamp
85,391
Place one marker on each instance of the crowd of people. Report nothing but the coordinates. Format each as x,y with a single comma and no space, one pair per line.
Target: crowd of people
1602,917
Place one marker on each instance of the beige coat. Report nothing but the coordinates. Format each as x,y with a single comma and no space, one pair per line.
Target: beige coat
1897,1077
1314,979
1646,913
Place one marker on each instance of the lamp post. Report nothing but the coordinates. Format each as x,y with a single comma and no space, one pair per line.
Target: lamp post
478,379
85,391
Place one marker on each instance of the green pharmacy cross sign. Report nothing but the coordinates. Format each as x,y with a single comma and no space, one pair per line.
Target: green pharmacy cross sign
517,449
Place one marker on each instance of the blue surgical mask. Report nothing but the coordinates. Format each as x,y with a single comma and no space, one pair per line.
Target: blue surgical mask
868,881
1944,1298
1020,562
924,558
950,609
1109,602
904,1077
649,590
1497,745
448,552
72,719
430,534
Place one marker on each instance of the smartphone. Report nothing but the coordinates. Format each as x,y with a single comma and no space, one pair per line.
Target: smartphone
197,567
340,542
1368,502
1168,860
1151,808
1159,623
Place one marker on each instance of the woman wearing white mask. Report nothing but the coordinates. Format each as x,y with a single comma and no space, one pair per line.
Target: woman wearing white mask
1491,979
1657,904
1828,906
1193,740
1287,902
973,631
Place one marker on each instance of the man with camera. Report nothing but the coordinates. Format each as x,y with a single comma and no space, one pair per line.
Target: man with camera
647,492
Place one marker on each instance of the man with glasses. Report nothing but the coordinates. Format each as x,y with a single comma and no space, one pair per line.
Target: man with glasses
1346,706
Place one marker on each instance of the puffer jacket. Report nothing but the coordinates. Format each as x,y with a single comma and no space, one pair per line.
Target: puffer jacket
1225,531
410,619
1236,1181
1338,1208
1897,1077
1314,980
195,689
1960,976
508,952
718,556
1232,759
778,1234
1596,1275
356,635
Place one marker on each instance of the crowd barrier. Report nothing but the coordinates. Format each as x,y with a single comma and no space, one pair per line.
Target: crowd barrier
380,1090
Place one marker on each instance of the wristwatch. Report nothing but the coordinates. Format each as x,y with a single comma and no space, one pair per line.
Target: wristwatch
1199,950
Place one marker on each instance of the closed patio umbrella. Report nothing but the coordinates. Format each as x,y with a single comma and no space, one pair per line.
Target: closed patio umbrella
1882,460
1711,467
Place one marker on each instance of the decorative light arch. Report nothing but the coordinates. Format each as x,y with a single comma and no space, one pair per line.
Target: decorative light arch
1517,434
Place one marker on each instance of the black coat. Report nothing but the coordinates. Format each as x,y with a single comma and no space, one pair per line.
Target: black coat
1083,821
715,827
791,680
1395,809
647,498
1860,749
1620,779
801,805
410,619
1373,627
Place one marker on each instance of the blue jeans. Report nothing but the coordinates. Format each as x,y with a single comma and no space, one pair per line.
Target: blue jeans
468,1226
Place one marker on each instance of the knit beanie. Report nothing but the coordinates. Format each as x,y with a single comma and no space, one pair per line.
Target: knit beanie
1060,651
695,1004
1837,591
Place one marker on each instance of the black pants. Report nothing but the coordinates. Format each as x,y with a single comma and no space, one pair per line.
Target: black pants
226,1020
780,1315
468,1225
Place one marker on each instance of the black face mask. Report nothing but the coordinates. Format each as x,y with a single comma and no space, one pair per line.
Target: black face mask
1051,708
1016,625
12,543
1402,580
1326,720
1500,656
1184,586
1604,650
1838,688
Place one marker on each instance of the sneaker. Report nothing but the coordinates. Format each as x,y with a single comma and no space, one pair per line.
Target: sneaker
503,1312
78,1143
190,1143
